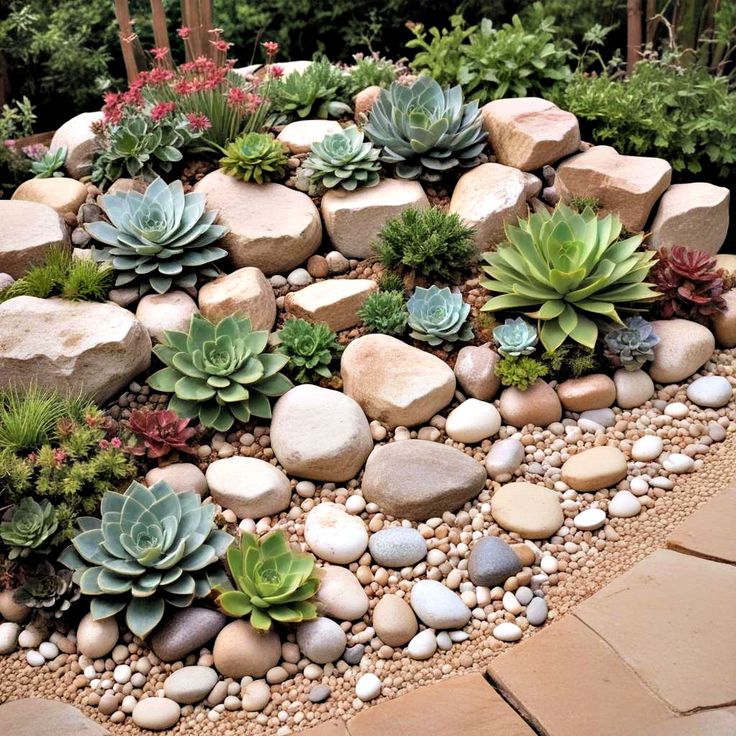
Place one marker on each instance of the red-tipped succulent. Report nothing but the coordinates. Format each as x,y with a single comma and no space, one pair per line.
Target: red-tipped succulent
691,286
160,432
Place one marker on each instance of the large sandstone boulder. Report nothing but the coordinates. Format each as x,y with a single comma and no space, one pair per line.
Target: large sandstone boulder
334,301
87,347
394,382
301,135
80,142
353,219
245,292
629,186
724,324
488,198
272,227
683,348
320,434
59,193
162,312
27,231
417,479
694,215
475,371
529,132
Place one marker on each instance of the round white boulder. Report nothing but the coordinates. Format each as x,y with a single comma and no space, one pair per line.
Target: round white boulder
334,535
473,421
710,391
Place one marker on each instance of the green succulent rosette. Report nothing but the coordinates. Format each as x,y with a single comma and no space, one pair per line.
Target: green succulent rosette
27,527
438,317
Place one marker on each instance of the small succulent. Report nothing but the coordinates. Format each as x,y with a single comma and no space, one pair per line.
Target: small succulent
50,164
520,372
274,582
425,130
48,590
219,373
160,432
256,156
632,345
691,285
159,239
516,337
27,526
439,317
310,348
151,548
384,312
344,160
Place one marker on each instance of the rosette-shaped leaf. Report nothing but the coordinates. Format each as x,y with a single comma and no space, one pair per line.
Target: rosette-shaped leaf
344,160
219,373
310,349
438,316
573,268
161,431
632,345
49,591
27,526
274,582
425,130
159,239
151,548
515,337
256,156
50,164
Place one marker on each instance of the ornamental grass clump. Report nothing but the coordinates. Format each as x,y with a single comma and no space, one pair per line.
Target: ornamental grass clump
384,312
151,549
632,345
255,156
574,269
426,131
158,240
273,582
310,348
438,317
219,373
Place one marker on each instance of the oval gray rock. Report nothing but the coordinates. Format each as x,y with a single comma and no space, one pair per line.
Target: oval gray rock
491,562
186,631
437,606
190,684
536,611
397,547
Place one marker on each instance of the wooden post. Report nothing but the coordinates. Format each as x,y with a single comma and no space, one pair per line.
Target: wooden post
158,20
651,21
633,34
190,20
205,19
122,13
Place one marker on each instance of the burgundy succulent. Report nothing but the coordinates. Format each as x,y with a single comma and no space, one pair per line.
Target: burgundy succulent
160,432
691,286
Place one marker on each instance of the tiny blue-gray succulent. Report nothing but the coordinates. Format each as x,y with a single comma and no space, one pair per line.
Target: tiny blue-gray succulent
631,345
438,317
516,337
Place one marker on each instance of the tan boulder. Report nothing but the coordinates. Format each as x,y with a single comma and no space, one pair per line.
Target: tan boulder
724,324
240,650
530,510
29,229
538,405
334,301
301,135
58,192
272,227
364,101
80,142
594,469
394,621
633,388
475,371
726,262
396,383
488,198
529,132
595,391
353,219
88,347
683,348
628,186
245,292
161,312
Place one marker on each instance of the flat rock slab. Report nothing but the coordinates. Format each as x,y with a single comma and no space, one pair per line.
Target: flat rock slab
87,347
594,469
24,718
58,192
629,186
272,227
301,135
527,509
80,142
417,479
711,531
529,132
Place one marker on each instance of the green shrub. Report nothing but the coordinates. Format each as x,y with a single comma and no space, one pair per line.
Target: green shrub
520,372
256,156
390,281
311,348
384,312
369,71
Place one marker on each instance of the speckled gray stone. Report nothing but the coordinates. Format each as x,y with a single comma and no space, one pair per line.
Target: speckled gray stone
185,631
354,654
492,562
319,693
536,611
397,547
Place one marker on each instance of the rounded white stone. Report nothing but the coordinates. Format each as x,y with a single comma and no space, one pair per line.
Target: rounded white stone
548,563
48,650
122,674
423,645
676,410
256,696
97,638
443,641
638,486
511,604
473,421
590,519
29,638
438,606
623,505
34,658
647,448
368,687
334,535
8,637
678,463
710,391
507,632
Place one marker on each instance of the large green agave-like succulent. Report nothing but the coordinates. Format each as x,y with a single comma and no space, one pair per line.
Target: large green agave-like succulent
426,130
151,548
573,268
159,239
219,373
274,583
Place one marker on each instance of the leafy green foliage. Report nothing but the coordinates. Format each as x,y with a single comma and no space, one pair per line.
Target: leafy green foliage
274,583
580,204
428,242
369,71
515,337
570,361
219,373
256,156
50,164
27,526
391,281
16,121
152,548
438,317
310,348
385,312
159,239
520,372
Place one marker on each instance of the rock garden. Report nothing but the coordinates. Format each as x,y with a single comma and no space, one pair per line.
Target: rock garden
322,382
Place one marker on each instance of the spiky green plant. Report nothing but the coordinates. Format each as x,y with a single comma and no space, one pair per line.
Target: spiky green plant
256,156
219,373
391,281
384,312
515,337
152,548
50,164
159,239
310,348
344,160
28,526
438,317
426,131
520,372
273,582
573,268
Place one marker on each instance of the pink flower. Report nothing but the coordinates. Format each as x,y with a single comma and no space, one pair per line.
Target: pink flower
276,71
184,32
159,75
59,455
160,53
35,151
221,45
236,96
9,143
161,110
271,47
104,444
116,443
198,123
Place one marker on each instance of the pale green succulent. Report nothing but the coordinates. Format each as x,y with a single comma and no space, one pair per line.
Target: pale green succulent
219,373
50,164
28,526
426,131
256,156
152,548
159,239
573,269
344,160
632,345
274,582
515,337
438,316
